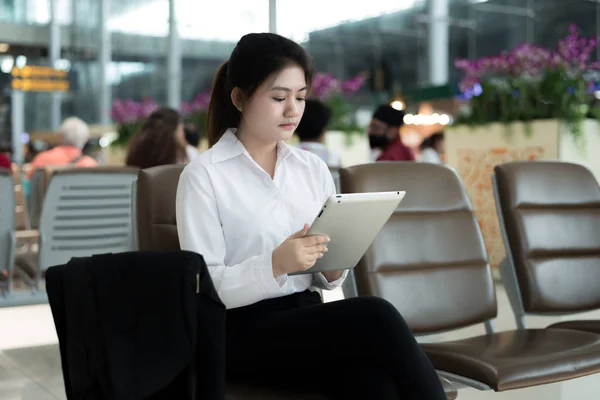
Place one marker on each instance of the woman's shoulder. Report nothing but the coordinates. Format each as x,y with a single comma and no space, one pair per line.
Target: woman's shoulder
314,161
198,167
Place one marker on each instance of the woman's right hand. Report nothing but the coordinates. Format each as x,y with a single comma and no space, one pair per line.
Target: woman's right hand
298,253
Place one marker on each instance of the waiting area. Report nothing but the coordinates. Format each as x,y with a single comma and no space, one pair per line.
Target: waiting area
532,332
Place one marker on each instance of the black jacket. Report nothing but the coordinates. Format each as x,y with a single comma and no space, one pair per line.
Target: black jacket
139,325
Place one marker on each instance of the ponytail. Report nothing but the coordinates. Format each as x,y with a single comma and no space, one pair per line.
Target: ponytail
222,114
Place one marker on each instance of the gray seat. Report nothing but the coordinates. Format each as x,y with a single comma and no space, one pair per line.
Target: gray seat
86,211
7,230
37,190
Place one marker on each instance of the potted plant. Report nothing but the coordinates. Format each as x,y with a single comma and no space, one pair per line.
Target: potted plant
337,95
540,96
531,83
130,114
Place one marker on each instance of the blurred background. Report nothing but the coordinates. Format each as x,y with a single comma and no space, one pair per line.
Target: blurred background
128,49
472,84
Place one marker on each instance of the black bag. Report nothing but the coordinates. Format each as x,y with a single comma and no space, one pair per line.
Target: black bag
139,325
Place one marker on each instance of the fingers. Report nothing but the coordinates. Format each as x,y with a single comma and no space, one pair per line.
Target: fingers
314,240
317,249
301,233
310,264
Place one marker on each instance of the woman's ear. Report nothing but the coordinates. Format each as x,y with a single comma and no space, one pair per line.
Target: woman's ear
237,98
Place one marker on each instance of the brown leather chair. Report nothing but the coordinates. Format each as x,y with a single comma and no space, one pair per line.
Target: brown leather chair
429,260
549,214
157,230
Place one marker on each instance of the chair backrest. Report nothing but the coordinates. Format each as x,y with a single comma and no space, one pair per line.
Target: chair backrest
86,211
550,214
7,224
156,191
40,179
335,173
22,215
429,260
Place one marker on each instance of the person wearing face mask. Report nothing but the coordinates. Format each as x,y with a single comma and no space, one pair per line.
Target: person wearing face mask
384,135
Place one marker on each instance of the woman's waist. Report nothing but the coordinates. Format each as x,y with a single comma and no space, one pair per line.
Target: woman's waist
299,299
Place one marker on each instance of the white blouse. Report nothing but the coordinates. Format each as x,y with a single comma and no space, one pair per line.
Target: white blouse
231,211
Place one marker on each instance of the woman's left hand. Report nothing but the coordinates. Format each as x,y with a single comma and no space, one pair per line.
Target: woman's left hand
333,275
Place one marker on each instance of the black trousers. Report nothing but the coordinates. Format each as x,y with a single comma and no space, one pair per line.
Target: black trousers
359,348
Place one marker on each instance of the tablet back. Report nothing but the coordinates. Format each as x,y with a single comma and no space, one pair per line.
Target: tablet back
351,221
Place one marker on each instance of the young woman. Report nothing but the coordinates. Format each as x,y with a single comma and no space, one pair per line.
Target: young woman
245,204
160,141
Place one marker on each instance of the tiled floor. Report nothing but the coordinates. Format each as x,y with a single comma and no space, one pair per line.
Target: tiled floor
30,361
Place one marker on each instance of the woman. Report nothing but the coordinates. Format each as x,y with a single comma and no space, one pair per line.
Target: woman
244,205
432,149
160,141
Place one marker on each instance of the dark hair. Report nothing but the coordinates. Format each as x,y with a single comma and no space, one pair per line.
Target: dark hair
255,57
155,143
314,120
432,141
192,135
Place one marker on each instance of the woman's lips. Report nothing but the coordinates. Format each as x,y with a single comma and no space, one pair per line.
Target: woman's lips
288,127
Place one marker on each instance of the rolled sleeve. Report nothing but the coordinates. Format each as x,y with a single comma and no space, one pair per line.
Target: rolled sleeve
321,282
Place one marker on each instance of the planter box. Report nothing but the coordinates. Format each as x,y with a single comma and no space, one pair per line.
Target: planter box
352,152
474,152
114,155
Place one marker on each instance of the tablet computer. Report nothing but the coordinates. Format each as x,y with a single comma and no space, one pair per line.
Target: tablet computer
351,221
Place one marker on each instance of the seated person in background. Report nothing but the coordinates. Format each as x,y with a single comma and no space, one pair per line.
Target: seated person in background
311,131
192,138
384,135
244,205
75,134
432,149
160,141
5,158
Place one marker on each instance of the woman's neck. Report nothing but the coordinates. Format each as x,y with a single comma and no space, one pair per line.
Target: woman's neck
264,154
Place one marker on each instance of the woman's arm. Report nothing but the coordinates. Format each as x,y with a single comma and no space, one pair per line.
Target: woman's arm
199,229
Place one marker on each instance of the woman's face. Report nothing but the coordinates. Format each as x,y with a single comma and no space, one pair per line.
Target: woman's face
275,108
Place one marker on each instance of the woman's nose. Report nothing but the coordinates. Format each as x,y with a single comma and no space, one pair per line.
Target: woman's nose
291,110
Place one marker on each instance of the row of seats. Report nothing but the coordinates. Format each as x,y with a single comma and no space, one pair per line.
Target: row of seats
30,262
430,261
85,211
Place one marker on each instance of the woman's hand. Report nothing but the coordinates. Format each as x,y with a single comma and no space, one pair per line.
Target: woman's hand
298,253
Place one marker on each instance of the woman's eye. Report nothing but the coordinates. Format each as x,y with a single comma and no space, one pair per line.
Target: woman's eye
279,99
300,99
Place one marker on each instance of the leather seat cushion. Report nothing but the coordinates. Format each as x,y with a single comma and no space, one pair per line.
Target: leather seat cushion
592,326
517,359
